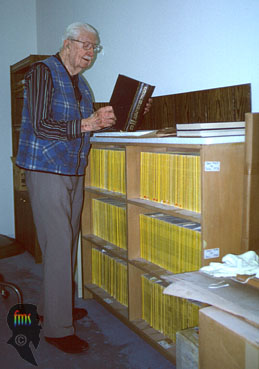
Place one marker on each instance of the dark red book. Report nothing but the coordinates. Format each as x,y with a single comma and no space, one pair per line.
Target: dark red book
129,98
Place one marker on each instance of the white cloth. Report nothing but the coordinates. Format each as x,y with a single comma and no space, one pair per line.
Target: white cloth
247,263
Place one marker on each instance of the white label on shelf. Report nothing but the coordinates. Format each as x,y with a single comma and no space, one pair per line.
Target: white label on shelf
212,166
108,301
165,344
211,253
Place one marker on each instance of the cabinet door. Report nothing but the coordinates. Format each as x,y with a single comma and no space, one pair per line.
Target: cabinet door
24,227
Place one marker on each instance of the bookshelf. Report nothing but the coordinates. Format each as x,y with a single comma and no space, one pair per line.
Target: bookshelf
221,163
220,216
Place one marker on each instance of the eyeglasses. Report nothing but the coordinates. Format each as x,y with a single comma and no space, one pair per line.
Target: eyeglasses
88,45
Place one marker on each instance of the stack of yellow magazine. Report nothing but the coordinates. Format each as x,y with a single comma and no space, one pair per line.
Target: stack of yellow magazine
170,242
171,178
109,221
108,169
165,313
110,274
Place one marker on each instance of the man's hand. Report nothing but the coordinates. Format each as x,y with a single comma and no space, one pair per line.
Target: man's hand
102,118
148,106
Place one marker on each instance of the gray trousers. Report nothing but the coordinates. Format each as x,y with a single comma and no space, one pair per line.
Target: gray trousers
56,202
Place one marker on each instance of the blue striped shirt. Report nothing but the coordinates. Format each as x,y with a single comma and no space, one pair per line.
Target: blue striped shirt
40,90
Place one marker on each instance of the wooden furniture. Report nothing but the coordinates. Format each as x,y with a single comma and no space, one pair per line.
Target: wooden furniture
225,104
250,236
222,196
220,218
24,227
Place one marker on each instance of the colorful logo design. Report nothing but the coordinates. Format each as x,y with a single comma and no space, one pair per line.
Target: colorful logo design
21,319
24,322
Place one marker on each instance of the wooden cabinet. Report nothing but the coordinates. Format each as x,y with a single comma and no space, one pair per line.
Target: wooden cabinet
221,163
24,227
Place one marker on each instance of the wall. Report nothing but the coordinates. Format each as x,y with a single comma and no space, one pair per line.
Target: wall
178,46
18,39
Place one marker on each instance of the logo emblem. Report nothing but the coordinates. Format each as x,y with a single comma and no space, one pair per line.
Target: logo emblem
23,320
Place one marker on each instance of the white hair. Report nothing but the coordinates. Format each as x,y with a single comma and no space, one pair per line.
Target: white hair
74,29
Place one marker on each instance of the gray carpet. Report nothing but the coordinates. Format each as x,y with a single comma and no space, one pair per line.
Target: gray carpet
112,344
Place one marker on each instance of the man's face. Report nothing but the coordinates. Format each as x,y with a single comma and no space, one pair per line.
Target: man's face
81,51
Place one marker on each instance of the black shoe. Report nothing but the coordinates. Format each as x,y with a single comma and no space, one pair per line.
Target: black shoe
69,344
78,313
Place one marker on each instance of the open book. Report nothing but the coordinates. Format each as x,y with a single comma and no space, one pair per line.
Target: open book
163,132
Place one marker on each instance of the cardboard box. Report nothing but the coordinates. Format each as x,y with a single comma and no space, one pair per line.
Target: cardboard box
187,349
239,299
226,341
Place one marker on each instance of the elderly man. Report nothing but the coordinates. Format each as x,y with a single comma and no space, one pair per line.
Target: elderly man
54,143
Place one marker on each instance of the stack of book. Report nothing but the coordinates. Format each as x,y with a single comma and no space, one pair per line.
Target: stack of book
170,242
165,313
109,221
171,178
108,169
210,129
110,273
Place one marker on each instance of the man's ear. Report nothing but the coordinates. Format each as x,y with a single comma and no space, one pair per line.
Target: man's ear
66,44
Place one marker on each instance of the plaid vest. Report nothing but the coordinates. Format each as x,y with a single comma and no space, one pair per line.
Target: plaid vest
67,157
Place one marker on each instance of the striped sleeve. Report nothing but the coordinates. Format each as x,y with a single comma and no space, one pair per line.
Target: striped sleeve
40,89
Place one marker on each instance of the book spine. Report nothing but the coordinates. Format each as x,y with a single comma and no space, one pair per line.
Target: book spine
165,313
137,107
110,274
